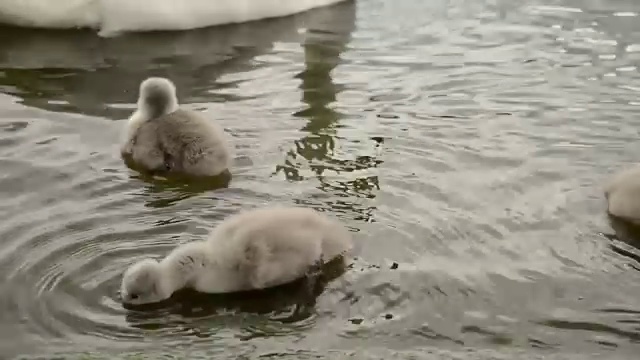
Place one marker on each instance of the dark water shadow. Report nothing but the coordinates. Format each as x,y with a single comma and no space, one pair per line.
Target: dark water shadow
181,185
632,336
285,304
628,233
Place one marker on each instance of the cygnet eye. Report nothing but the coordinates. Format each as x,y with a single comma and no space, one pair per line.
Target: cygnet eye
133,296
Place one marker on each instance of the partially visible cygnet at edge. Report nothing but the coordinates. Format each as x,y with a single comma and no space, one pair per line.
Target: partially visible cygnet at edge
623,194
161,137
251,250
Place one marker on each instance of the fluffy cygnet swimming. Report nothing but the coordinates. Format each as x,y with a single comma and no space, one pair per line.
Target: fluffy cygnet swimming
161,137
623,195
254,249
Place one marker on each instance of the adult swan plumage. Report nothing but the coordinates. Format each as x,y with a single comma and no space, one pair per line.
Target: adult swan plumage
115,16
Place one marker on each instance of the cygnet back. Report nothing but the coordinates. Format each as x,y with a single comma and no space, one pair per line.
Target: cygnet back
188,142
161,137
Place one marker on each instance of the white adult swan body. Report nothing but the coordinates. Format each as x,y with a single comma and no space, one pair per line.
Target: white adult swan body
162,138
114,16
623,194
253,249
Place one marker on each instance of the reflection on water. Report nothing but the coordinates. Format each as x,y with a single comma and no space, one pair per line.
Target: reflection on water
317,151
464,142
76,71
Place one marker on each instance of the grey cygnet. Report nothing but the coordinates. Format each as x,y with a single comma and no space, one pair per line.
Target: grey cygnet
162,137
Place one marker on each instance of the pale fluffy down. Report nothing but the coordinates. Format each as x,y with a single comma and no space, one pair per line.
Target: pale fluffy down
161,137
623,194
114,16
254,249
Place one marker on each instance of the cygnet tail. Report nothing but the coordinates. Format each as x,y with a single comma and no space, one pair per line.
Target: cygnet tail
157,97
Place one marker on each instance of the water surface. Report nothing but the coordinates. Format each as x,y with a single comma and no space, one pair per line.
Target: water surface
464,140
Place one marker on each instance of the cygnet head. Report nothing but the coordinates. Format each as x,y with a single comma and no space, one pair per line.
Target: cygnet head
157,97
143,283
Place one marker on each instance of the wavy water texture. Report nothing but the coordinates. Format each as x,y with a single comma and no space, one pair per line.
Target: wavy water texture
464,142
116,16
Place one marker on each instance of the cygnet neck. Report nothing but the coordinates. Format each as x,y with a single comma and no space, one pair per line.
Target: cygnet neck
180,268
147,113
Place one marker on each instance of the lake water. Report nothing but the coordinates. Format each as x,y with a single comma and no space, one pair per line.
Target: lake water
466,141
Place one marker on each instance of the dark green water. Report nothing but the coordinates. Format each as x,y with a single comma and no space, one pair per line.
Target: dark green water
467,141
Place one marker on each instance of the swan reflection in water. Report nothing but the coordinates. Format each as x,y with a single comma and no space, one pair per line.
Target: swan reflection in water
78,72
316,150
